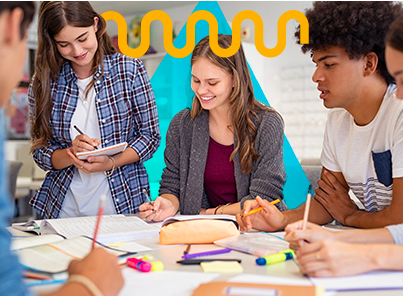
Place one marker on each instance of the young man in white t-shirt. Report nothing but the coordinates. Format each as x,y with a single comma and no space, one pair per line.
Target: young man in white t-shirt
363,146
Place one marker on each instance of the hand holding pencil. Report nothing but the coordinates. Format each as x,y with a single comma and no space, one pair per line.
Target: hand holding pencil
261,215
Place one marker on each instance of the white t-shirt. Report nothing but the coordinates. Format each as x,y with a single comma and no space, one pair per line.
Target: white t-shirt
83,196
368,156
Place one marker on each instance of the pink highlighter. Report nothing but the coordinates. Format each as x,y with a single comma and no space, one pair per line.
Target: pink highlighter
139,264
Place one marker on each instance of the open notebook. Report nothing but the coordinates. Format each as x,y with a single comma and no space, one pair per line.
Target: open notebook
113,228
53,258
110,150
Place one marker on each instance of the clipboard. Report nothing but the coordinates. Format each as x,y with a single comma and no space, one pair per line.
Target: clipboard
230,288
109,151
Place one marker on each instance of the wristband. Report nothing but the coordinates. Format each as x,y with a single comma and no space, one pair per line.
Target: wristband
221,212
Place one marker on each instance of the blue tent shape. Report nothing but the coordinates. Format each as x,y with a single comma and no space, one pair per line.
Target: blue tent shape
172,88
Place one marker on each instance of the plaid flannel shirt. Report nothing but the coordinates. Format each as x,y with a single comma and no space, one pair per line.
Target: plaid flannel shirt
127,112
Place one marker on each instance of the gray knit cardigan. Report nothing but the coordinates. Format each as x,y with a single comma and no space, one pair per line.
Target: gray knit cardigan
185,156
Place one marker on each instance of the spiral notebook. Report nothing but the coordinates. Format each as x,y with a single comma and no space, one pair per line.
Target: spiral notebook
109,151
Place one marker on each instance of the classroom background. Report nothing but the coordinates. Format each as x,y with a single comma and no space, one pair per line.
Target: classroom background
285,82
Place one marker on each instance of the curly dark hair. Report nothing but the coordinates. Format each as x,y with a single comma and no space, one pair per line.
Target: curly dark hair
358,26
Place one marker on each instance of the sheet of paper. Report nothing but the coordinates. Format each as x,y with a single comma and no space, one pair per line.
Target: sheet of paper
371,280
266,279
258,243
170,283
221,266
113,228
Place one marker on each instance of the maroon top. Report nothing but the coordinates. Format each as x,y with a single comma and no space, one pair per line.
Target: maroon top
219,179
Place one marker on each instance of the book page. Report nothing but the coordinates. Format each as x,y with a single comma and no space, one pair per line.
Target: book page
55,257
114,228
18,243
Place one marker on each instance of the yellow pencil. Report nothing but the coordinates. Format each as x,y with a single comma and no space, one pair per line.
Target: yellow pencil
260,208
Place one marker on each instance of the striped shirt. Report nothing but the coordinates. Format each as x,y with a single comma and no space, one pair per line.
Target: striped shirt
127,112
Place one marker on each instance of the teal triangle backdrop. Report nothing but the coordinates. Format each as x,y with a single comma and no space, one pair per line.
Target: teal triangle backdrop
172,88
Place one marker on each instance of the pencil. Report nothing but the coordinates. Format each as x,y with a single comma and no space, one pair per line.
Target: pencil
100,212
260,208
187,249
81,133
306,211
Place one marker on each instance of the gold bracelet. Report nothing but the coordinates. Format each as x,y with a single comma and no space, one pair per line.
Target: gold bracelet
214,213
86,282
221,212
113,167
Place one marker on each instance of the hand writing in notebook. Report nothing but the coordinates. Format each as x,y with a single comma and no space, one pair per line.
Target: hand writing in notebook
160,209
101,163
267,219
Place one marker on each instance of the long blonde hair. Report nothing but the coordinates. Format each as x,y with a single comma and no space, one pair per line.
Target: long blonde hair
243,105
53,17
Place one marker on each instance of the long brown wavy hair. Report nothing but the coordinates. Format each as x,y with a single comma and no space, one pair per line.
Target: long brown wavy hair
53,17
243,105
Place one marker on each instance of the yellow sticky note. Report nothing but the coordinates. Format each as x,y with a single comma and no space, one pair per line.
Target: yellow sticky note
221,266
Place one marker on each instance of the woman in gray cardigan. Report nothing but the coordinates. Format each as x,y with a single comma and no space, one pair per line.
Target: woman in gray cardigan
226,149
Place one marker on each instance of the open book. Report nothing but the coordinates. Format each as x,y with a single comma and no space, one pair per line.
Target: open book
113,228
55,257
110,150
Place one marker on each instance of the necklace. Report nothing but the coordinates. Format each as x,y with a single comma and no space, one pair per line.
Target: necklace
85,103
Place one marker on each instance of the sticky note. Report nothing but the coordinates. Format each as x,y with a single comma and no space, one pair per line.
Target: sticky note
118,245
221,266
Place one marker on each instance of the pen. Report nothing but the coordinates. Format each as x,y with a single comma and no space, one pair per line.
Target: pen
100,212
275,258
187,249
148,198
81,133
260,208
33,227
198,261
194,255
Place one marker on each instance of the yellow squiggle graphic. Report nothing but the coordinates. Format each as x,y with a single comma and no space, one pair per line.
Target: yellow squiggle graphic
213,32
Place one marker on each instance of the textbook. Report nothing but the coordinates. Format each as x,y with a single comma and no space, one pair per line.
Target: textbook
55,257
258,243
113,228
109,151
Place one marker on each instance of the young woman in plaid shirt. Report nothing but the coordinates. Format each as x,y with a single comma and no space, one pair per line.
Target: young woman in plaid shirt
81,80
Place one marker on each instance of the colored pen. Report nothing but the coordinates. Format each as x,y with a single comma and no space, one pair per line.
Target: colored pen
81,133
275,258
139,264
148,198
33,227
307,209
194,255
187,249
260,208
100,212
44,282
198,261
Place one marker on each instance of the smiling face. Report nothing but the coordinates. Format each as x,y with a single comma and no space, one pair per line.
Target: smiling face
78,45
211,85
338,77
394,62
